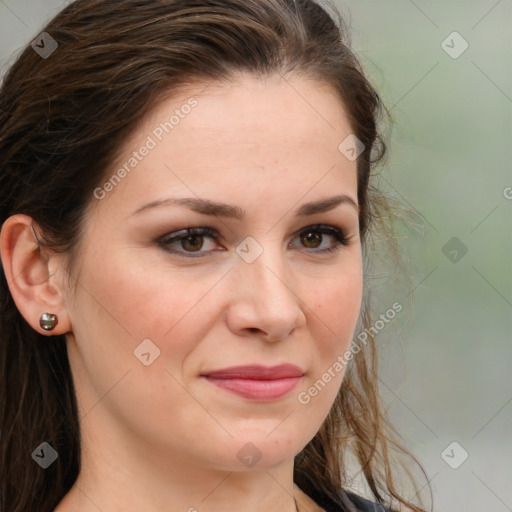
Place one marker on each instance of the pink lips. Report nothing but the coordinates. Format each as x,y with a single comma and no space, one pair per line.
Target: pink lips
256,382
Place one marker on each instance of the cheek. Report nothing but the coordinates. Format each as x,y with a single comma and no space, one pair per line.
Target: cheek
121,302
142,298
334,312
336,305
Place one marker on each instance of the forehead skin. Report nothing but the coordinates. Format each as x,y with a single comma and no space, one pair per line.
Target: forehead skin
280,136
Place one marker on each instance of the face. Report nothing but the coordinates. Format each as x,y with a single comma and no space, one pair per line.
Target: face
264,278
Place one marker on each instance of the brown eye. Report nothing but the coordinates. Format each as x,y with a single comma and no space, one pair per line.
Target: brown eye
192,243
311,239
189,242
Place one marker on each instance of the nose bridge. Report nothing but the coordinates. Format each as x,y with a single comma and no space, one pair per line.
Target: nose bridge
268,268
265,291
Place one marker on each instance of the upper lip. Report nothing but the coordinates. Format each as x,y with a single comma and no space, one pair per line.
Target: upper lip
257,372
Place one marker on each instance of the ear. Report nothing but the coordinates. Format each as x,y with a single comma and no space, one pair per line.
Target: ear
34,275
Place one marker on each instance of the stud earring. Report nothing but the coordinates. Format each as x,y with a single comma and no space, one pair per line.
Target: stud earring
48,321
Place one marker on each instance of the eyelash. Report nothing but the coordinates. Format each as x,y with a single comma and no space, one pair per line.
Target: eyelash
337,234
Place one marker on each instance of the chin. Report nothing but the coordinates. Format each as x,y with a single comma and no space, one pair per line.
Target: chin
262,450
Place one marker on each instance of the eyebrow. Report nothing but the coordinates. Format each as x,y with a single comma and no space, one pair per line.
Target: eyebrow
208,207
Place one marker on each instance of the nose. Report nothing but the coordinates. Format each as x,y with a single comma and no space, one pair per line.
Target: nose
263,299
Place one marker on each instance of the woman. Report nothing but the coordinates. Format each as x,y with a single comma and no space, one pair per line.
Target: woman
186,215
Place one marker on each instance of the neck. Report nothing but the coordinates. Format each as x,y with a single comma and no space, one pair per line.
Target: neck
133,479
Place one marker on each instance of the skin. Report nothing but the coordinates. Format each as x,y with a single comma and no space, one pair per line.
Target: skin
160,437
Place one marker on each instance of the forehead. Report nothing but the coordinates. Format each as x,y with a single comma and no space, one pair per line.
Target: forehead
280,135
249,110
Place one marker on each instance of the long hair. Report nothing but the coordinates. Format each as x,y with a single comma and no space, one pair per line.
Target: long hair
64,117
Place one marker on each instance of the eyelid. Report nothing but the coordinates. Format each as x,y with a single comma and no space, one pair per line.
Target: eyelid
176,236
337,232
200,231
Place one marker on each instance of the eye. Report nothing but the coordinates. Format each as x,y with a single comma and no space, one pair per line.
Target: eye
191,241
312,237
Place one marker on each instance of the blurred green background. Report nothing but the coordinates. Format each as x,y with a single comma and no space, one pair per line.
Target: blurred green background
450,160
443,68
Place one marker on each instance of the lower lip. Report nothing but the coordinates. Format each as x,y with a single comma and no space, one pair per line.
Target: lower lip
252,389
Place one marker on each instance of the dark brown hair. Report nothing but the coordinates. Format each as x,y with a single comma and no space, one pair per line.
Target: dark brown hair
63,120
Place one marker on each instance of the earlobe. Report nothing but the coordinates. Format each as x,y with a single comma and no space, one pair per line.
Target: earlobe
35,290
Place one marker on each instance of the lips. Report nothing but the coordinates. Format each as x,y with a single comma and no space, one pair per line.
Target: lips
257,372
256,382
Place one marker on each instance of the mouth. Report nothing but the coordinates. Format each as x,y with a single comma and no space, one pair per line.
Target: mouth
256,382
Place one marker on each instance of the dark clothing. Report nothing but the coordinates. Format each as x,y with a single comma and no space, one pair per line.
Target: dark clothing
358,503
